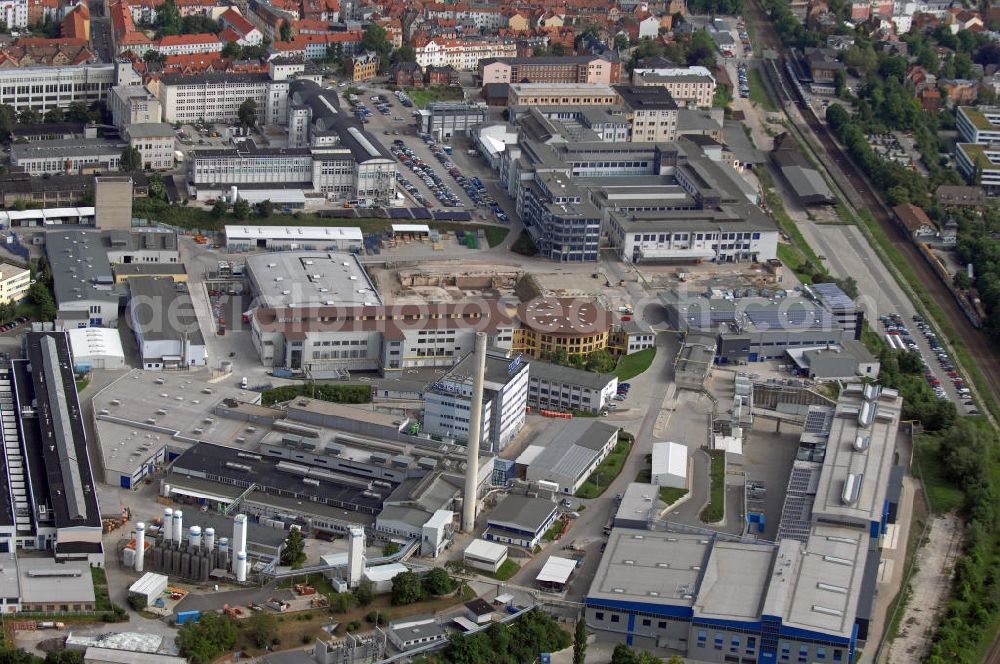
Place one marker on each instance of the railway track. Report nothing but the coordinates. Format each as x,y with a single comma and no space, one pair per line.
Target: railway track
863,197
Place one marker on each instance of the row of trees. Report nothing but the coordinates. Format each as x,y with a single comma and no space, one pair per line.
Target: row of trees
410,587
600,361
697,49
170,22
513,643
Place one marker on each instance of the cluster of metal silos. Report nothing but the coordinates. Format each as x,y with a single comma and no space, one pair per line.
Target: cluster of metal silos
194,557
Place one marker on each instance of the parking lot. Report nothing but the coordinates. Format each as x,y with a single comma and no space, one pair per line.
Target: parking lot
947,383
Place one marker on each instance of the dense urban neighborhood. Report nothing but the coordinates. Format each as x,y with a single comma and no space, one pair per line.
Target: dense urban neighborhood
493,331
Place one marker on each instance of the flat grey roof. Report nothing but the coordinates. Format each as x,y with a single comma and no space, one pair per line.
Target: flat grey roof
556,373
45,581
150,130
500,370
80,268
522,512
652,567
736,576
78,148
163,311
311,278
569,450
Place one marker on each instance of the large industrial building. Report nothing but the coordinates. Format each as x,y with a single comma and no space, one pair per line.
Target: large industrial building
447,402
567,455
653,200
48,499
165,325
293,238
808,597
752,329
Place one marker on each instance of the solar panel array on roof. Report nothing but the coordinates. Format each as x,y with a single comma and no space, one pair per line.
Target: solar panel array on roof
420,213
796,512
448,215
818,422
399,213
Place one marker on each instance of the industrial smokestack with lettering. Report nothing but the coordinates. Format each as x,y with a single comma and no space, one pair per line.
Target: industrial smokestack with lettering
475,432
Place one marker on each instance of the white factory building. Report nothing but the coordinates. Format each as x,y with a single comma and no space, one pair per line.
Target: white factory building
567,455
97,348
293,238
487,556
447,402
670,462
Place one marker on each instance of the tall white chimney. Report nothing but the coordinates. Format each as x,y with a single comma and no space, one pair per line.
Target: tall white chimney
209,539
140,545
241,566
167,533
355,555
475,432
178,527
194,536
239,543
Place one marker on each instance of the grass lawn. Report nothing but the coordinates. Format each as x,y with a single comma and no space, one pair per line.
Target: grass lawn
941,493
102,601
607,471
81,384
630,366
496,234
671,495
758,93
423,96
715,510
553,531
799,251
507,569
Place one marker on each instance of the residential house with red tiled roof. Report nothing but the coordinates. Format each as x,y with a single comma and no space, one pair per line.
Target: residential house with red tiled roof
247,33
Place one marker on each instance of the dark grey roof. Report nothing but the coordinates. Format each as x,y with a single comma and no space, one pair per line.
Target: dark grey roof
525,512
60,148
58,429
164,310
646,98
79,262
47,128
210,461
555,373
324,107
212,77
500,369
249,148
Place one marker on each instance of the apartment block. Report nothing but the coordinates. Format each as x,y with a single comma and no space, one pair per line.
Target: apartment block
462,54
569,69
689,86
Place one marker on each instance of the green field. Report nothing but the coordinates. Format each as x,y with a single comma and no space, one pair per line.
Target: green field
630,366
607,471
716,508
671,495
758,93
423,96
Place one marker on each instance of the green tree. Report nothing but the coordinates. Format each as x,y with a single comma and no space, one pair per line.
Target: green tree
78,112
622,655
701,50
621,41
247,113
8,118
341,602
285,31
64,657
365,592
404,53
54,114
438,582
157,190
168,19
205,640
390,549
962,280
241,209
231,51
376,39
220,208
580,642
40,297
407,589
261,629
294,553
131,160
29,116
17,656
265,208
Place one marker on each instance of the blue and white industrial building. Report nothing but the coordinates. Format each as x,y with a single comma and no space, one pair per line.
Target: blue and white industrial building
807,597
